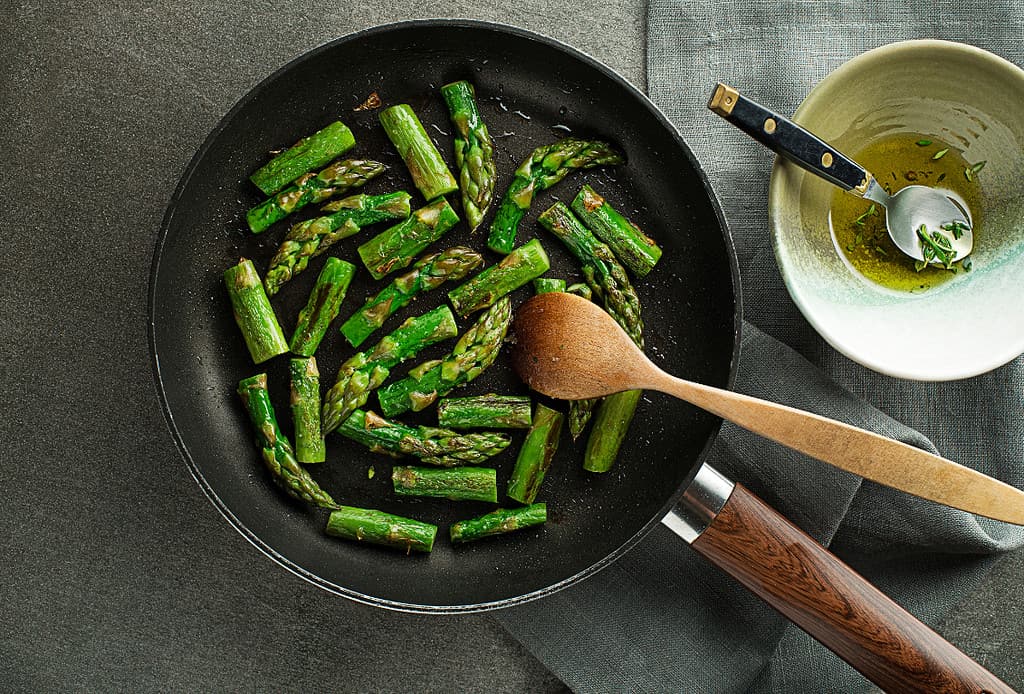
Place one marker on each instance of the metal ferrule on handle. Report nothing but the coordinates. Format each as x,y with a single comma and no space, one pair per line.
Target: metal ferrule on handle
700,503
788,139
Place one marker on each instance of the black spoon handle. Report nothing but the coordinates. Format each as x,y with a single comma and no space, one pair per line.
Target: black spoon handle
788,139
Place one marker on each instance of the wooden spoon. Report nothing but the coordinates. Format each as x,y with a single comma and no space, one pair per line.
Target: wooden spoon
569,348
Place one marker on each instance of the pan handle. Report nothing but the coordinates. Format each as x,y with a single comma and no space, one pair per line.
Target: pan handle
778,562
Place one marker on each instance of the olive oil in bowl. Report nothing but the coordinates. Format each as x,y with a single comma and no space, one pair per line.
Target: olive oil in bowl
858,225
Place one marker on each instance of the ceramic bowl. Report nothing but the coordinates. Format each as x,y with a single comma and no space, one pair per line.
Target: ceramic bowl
973,321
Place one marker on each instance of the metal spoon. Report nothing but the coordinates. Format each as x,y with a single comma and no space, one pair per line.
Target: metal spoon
910,213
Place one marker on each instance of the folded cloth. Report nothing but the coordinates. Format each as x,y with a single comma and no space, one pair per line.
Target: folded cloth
661,618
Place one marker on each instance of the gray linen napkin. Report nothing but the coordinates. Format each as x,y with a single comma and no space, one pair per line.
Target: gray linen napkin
661,618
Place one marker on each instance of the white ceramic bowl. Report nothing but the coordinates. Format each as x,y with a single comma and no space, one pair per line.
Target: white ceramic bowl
970,324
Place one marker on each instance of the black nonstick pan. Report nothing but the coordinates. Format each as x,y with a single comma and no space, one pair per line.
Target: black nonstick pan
531,91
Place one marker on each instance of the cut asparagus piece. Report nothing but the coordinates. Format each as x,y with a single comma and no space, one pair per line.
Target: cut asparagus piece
580,289
485,412
394,248
428,273
305,401
635,249
536,454
610,425
312,188
474,151
545,167
323,305
362,373
441,447
380,528
502,520
308,239
305,155
475,351
253,313
515,269
277,452
545,285
456,483
429,172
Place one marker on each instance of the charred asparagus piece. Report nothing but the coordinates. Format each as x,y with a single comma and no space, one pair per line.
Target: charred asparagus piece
253,313
500,521
485,412
536,455
428,273
380,528
277,452
305,155
544,285
429,172
516,269
394,248
456,483
635,249
323,306
474,151
305,401
475,351
545,167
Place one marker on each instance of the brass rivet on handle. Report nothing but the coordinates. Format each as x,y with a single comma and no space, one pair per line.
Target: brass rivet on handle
769,125
826,160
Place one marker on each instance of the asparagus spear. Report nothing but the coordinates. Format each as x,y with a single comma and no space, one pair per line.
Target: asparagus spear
309,239
536,455
455,483
502,520
485,412
380,528
544,285
475,351
608,279
474,151
428,273
323,305
441,447
253,312
516,269
580,289
305,155
312,188
395,248
362,373
429,172
305,401
635,249
545,167
277,451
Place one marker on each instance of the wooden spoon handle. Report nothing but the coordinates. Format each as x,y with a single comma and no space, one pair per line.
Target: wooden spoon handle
870,455
826,598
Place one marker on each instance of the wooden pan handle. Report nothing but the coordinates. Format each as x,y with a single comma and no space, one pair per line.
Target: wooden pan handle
826,598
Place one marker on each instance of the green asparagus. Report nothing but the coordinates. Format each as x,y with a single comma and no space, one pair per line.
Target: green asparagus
305,401
500,521
380,528
428,273
323,306
429,172
580,289
309,239
545,167
516,269
544,285
456,483
305,155
635,249
394,248
312,188
474,151
610,425
475,351
253,313
536,455
275,448
485,412
433,446
362,373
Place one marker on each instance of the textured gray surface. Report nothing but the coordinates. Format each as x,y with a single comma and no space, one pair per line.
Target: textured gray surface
117,573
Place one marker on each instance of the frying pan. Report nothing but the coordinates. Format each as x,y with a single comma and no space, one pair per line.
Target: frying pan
531,91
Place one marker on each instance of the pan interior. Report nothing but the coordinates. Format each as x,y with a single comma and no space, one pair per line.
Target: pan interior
531,91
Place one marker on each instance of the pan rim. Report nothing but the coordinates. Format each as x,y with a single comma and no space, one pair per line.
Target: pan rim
185,179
